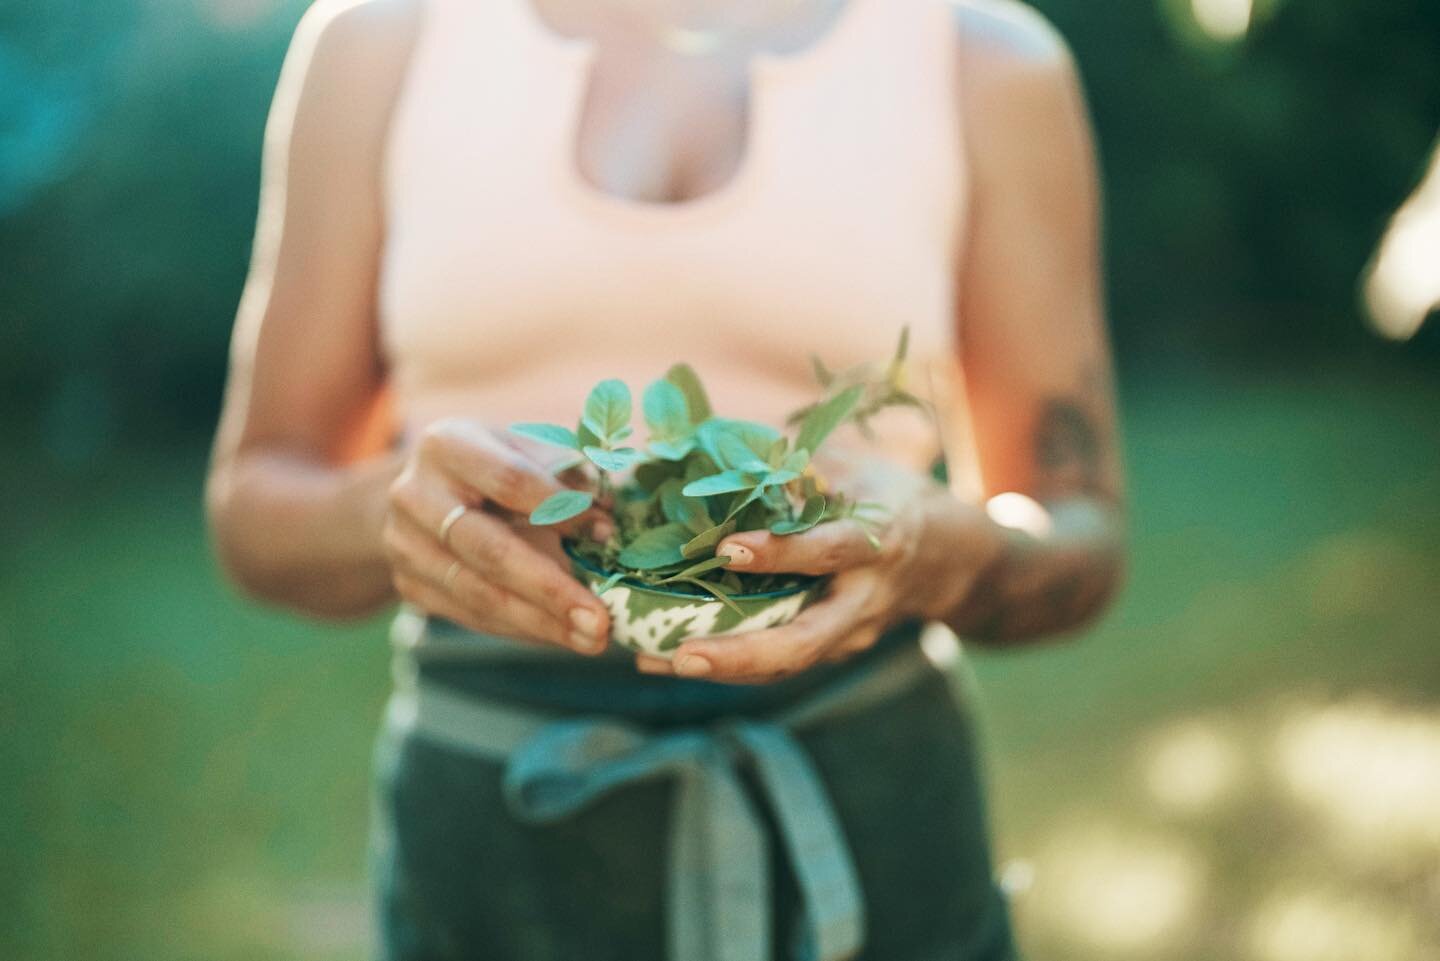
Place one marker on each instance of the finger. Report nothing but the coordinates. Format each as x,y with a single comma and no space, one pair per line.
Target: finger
646,664
428,598
436,601
416,556
861,639
485,468
496,553
825,549
779,651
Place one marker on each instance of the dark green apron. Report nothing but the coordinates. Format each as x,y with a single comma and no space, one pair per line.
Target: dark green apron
536,806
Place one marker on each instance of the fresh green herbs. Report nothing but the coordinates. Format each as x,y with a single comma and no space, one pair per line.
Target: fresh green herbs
702,478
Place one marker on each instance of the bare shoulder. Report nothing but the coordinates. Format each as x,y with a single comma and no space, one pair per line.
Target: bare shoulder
342,77
1020,91
1012,59
364,45
1008,36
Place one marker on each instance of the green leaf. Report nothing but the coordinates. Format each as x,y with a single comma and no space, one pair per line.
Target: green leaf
725,482
614,460
755,441
779,478
716,592
653,473
607,409
672,450
822,373
656,547
796,461
586,436
825,418
698,405
706,540
561,506
734,453
666,412
745,502
810,515
679,509
695,570
609,582
548,434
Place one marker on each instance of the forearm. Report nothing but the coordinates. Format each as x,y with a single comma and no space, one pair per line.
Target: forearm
302,534
1054,578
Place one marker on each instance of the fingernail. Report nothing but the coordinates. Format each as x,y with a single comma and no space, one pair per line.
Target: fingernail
585,621
586,644
692,665
739,555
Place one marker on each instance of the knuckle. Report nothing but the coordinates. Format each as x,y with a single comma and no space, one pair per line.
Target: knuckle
405,585
437,435
490,550
476,593
403,491
508,480
832,556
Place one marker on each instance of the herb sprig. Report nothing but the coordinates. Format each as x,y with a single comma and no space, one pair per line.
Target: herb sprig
701,478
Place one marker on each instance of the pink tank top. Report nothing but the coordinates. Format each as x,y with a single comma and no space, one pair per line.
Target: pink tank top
510,284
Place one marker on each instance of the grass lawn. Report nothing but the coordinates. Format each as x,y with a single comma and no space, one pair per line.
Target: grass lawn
1242,762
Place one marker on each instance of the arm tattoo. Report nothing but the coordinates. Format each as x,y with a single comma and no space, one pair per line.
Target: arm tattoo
1041,588
1067,451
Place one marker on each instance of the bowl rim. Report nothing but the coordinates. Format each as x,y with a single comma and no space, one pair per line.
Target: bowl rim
807,584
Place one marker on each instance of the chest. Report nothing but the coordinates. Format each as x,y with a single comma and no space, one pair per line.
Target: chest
801,192
665,111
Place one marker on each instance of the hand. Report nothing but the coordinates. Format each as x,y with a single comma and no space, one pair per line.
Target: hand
931,553
490,570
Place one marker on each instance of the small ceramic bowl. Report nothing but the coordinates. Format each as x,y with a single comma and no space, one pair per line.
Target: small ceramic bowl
657,620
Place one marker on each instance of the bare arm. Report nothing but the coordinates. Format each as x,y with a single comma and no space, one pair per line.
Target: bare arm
1032,333
296,487
309,505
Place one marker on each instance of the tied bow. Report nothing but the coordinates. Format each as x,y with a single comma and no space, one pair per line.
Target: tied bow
719,865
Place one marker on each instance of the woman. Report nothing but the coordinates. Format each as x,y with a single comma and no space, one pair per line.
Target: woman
475,209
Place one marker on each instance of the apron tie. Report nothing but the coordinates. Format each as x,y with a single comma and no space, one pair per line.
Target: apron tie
719,882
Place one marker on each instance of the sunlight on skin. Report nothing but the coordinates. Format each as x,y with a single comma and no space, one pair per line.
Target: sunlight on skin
1223,19
1402,284
1192,766
1332,926
1019,513
1371,771
1127,894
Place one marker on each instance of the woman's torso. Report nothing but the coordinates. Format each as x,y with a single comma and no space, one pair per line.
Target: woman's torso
511,282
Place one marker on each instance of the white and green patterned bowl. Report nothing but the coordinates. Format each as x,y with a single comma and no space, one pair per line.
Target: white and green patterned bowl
657,620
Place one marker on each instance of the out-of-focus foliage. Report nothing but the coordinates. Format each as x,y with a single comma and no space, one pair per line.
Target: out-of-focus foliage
1254,177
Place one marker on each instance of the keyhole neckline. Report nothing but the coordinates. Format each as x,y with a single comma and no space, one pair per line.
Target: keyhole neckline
764,68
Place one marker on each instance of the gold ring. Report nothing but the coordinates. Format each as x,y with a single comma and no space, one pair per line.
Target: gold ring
452,572
456,512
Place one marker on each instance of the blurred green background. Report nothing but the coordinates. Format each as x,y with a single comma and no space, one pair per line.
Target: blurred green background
1243,762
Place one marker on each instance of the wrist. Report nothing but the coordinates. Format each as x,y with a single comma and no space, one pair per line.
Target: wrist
956,547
